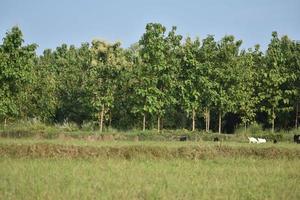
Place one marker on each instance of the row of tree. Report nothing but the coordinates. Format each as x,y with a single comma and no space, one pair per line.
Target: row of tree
163,79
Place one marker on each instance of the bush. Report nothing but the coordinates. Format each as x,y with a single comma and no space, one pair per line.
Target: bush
255,129
89,126
68,126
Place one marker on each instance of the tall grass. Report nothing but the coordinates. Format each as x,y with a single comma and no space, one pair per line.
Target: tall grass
146,150
35,128
83,169
149,179
256,130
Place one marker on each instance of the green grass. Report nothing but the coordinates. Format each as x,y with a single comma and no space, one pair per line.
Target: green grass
81,169
243,178
117,143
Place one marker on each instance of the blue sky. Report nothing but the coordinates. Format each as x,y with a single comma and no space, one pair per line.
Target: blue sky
51,23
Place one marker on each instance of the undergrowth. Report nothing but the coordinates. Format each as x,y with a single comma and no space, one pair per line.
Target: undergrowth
89,130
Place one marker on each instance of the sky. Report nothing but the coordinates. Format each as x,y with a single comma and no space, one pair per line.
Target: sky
54,22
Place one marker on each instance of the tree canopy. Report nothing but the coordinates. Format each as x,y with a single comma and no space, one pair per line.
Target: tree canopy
162,81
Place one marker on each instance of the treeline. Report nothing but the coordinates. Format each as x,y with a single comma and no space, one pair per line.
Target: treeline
162,81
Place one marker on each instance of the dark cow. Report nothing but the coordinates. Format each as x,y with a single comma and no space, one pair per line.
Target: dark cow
275,141
183,138
297,139
216,139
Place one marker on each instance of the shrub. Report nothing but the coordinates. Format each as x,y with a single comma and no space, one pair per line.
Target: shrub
255,129
89,126
68,126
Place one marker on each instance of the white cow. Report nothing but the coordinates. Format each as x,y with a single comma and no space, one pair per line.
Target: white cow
261,140
252,140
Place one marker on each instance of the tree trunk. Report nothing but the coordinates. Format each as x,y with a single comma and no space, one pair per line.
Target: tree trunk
245,127
5,122
273,125
220,121
273,120
158,124
297,117
193,119
110,118
208,120
144,122
101,119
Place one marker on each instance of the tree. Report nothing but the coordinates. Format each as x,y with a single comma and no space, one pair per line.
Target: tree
245,92
294,70
139,84
158,53
225,76
103,76
273,77
44,97
208,60
189,79
290,52
17,62
71,66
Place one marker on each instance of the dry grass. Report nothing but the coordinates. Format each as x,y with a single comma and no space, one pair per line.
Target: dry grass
151,150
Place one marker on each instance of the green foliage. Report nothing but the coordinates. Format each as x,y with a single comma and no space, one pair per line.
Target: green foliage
227,75
16,75
190,76
158,73
71,67
208,59
89,126
158,79
274,75
104,76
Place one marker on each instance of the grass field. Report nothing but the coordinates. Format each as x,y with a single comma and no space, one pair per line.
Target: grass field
230,170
